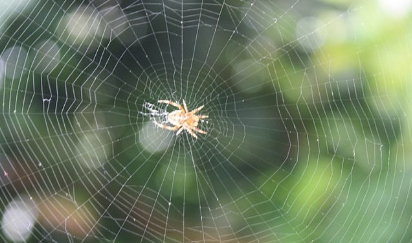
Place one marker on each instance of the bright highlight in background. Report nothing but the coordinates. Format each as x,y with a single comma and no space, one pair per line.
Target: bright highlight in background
47,56
396,8
154,139
16,61
8,7
18,220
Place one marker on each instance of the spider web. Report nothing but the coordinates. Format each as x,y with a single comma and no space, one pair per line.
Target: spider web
307,132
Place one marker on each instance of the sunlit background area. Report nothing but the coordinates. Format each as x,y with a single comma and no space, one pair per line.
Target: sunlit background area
303,130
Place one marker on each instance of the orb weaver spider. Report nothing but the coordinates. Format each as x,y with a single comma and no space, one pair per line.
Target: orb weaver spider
183,119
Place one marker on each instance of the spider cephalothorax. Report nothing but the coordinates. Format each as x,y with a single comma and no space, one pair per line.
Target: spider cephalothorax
183,119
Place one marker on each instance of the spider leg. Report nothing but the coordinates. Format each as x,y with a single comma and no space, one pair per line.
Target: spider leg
190,131
184,103
203,116
198,130
197,109
166,127
172,103
180,130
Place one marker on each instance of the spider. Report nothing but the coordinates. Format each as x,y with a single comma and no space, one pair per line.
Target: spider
182,119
